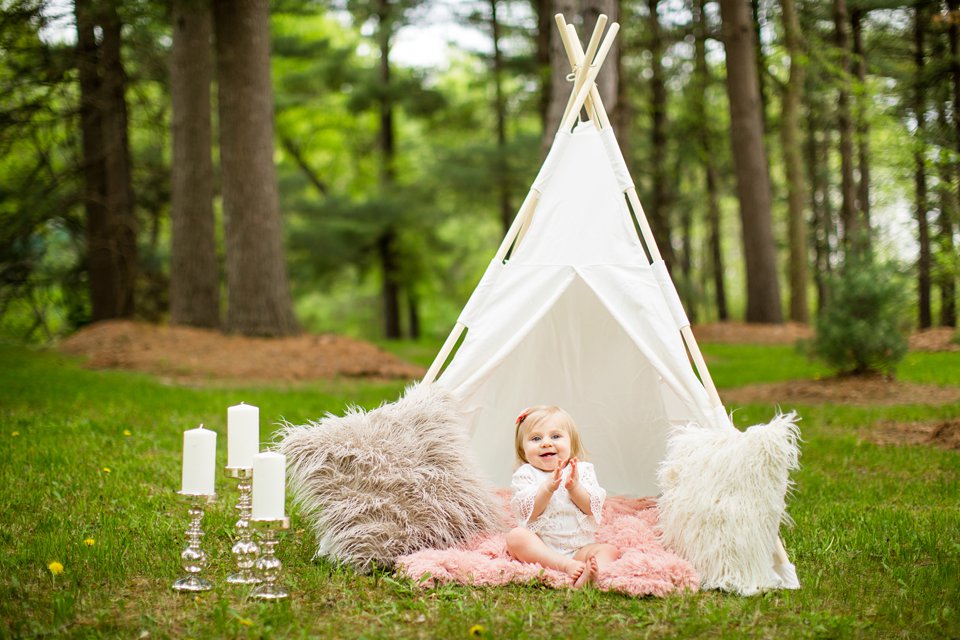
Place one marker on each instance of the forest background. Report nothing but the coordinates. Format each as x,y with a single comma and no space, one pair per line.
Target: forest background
266,169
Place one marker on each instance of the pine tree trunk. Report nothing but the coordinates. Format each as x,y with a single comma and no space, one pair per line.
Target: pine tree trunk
387,243
117,156
608,79
750,160
848,207
702,82
560,87
99,260
500,111
657,211
622,118
863,127
817,145
194,284
953,37
413,314
258,293
760,59
793,161
948,262
545,30
920,175
108,195
117,149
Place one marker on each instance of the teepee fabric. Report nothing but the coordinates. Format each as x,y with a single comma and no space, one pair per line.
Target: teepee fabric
577,317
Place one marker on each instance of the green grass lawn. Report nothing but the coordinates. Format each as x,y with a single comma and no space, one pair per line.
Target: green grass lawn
96,455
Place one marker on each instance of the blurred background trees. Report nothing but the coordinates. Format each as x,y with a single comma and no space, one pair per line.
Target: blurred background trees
350,165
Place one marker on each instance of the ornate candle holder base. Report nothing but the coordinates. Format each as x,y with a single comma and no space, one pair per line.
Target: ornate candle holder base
245,549
193,559
268,565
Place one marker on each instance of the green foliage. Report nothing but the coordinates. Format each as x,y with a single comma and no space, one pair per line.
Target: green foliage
875,541
863,327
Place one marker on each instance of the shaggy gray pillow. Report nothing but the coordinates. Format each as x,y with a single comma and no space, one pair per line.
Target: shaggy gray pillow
380,484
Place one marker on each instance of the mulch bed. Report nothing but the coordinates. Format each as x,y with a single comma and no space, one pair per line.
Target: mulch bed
942,433
188,354
854,390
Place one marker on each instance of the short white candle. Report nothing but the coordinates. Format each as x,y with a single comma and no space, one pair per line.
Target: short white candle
269,485
243,435
199,461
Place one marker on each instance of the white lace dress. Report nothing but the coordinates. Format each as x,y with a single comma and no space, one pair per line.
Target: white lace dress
562,526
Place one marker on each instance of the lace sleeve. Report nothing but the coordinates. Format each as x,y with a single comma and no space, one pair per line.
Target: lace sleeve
588,478
525,485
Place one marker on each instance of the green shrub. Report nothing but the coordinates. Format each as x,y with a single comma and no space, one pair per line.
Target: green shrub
863,328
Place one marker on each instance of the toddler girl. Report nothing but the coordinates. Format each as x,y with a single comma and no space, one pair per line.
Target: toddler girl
556,498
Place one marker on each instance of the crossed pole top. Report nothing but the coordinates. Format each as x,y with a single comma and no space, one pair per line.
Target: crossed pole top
586,66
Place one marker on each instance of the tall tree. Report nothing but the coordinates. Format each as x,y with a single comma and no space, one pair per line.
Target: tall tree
708,158
862,123
608,78
848,206
387,242
947,261
948,222
793,161
194,284
920,172
657,210
258,294
750,160
546,27
500,113
560,86
817,146
108,196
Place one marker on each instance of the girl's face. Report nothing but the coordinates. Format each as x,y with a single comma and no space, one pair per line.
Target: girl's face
546,445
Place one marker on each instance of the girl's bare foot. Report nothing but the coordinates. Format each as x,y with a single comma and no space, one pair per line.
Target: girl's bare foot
589,573
575,569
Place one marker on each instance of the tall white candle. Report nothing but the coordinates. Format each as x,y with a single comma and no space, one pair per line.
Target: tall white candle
269,485
243,435
199,461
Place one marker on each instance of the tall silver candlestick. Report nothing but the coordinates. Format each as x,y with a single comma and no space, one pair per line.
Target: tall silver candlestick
245,549
268,565
193,559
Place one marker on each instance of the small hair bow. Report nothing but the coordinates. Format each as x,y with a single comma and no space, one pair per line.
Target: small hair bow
523,416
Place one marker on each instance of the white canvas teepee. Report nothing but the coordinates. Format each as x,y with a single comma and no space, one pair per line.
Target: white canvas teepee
573,312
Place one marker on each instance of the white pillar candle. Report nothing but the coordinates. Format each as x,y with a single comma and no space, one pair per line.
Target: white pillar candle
243,435
199,461
269,485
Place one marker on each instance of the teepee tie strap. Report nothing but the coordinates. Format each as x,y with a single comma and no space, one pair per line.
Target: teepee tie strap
670,294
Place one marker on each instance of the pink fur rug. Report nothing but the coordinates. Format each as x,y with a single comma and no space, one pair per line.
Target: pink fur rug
645,567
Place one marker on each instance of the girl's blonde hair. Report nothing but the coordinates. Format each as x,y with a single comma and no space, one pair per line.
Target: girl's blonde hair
536,416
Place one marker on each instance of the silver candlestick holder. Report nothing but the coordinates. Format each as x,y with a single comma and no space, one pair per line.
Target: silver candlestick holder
245,549
268,565
193,559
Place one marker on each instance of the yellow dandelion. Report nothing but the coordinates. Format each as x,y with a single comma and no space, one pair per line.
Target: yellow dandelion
89,542
55,568
477,631
106,469
127,433
247,622
15,434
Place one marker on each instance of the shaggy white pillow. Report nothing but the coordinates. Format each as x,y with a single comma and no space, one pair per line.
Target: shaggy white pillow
380,484
724,499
